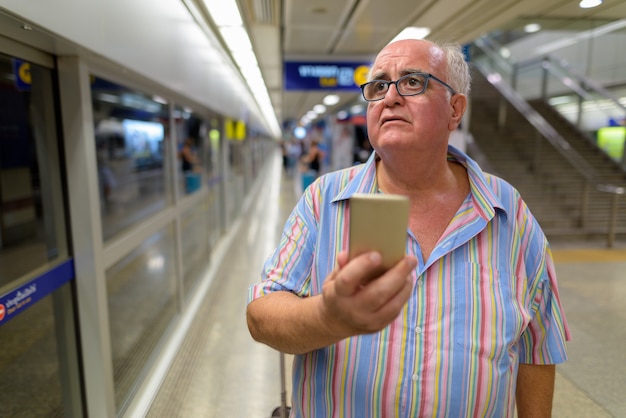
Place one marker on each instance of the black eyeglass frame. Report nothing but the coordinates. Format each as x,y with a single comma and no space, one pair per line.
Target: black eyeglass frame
426,76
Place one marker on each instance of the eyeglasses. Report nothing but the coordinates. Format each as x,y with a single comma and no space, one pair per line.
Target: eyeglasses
408,85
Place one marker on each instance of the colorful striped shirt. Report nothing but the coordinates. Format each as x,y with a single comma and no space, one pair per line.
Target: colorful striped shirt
484,301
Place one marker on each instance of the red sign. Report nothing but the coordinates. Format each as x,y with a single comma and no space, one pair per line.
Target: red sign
2,312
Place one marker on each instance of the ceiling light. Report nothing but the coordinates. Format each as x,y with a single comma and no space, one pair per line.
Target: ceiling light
224,13
412,32
245,58
331,99
342,115
588,4
356,109
319,109
236,38
532,27
299,132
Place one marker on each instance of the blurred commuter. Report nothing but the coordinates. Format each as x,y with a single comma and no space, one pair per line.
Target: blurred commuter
343,148
313,158
468,323
188,156
190,166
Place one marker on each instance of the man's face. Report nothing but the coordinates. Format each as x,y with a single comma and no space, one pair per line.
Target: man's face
415,121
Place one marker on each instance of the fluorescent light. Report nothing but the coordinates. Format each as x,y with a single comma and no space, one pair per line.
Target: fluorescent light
342,115
245,58
330,100
588,4
532,27
299,132
412,32
224,12
236,38
319,109
356,109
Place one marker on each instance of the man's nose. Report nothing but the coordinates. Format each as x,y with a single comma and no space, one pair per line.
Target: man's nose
395,96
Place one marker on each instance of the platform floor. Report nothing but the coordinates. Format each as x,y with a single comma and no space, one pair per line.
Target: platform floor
221,372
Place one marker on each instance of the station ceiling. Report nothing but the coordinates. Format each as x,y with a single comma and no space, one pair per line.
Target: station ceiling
354,30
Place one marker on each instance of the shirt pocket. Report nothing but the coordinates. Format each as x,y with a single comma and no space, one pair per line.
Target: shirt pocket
487,319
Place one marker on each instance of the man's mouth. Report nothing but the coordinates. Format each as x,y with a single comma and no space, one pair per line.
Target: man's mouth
392,119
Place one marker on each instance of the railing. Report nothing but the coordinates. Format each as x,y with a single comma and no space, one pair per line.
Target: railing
586,104
498,70
582,101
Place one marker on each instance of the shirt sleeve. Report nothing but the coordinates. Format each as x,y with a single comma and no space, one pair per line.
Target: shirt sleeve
288,268
543,341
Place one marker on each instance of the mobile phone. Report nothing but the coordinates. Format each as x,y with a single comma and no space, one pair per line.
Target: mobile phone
379,222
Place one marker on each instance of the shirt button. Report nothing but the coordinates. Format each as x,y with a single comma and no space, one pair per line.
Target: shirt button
418,330
415,378
419,282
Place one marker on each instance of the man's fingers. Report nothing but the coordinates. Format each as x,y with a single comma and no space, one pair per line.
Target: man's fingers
350,278
379,291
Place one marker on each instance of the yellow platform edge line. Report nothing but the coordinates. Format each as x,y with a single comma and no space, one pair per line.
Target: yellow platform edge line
588,255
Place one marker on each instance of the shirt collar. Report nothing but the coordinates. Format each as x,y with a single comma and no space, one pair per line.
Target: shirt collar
364,181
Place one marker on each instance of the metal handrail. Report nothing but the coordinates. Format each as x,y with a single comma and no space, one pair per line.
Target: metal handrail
572,74
547,131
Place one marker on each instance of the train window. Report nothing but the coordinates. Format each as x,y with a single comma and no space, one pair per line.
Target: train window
32,224
142,304
33,243
131,129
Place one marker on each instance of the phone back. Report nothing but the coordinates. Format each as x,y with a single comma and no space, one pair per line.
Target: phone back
379,222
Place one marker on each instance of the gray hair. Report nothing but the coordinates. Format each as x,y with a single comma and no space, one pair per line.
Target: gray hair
458,73
458,70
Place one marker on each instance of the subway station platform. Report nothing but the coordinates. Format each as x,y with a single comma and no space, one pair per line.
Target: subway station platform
219,371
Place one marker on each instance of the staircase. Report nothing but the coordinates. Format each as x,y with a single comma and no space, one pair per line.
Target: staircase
551,186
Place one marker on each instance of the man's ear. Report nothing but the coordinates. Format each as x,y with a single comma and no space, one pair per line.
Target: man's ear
458,104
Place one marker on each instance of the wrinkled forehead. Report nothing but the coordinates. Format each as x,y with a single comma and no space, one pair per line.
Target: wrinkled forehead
408,55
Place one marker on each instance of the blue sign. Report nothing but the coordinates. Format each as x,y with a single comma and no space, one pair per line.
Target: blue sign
21,72
30,293
344,76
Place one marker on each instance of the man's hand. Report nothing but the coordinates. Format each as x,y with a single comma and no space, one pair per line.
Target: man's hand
353,302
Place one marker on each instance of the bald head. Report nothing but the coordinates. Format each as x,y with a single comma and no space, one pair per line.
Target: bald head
447,56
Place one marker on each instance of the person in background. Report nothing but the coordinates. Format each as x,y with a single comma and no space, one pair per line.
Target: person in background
313,158
188,156
342,148
468,323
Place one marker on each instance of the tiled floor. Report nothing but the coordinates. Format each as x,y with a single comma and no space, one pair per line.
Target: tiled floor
221,372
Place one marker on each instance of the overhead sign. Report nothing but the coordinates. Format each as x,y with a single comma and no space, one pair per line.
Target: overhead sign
345,76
